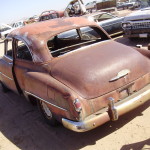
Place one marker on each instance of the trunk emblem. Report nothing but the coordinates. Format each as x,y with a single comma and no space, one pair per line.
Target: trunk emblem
120,74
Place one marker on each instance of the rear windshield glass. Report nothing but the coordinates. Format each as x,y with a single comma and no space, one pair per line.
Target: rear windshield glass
74,39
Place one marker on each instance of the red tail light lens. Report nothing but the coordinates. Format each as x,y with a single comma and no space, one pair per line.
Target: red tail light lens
77,105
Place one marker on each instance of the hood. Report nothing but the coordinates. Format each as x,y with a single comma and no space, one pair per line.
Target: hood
138,15
88,70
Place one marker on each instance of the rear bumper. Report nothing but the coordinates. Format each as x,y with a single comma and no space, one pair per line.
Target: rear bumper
122,107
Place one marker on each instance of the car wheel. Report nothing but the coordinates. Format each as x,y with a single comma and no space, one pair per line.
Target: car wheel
47,114
4,88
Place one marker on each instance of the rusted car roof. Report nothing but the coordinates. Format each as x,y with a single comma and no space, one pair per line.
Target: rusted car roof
36,35
46,29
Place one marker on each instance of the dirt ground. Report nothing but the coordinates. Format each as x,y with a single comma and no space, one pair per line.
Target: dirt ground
22,127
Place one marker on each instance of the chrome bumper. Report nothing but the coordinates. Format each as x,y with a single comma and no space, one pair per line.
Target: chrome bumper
121,107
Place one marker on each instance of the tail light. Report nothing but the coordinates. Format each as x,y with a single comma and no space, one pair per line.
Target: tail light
77,105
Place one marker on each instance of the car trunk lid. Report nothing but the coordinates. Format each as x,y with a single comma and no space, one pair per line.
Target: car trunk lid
91,71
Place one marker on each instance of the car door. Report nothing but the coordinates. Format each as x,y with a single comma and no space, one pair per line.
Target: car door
6,66
23,62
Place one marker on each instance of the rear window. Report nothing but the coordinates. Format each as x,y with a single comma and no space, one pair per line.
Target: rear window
74,39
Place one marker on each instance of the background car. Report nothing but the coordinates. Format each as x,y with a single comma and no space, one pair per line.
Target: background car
5,30
50,14
124,5
91,5
137,24
18,24
110,23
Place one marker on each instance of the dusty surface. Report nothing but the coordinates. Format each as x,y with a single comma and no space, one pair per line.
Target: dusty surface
22,127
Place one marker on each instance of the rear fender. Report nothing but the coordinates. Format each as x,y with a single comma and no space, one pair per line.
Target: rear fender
58,97
143,52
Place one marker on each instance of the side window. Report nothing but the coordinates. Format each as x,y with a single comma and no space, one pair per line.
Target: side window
22,51
8,48
73,39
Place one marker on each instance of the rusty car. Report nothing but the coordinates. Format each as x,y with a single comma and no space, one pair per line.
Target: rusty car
137,24
50,14
75,72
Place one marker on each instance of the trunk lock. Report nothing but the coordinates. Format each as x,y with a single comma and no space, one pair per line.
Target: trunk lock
112,111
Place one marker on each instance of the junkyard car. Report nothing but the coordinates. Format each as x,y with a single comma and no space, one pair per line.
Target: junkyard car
5,30
50,14
137,24
124,5
75,72
110,23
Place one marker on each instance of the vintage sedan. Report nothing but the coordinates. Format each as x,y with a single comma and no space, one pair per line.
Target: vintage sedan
50,14
137,24
75,72
109,22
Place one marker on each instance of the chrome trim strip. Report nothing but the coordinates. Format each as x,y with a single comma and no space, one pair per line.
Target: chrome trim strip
45,101
8,57
6,76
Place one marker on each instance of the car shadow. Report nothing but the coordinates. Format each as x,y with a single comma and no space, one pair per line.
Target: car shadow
143,145
22,124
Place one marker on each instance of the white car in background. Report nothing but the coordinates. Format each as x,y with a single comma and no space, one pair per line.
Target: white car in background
5,30
18,24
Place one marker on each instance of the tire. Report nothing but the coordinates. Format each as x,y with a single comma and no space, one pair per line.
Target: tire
4,88
47,114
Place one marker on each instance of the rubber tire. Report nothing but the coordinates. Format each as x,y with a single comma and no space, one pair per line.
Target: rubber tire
50,120
4,88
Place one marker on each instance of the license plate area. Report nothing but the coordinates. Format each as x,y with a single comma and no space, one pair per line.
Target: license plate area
144,35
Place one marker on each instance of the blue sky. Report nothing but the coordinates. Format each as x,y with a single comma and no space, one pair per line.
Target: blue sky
14,10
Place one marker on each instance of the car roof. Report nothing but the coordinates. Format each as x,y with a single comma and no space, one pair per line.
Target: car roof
37,34
47,29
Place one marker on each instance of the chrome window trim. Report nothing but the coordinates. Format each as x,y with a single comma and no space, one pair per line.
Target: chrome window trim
22,40
6,76
8,57
28,93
